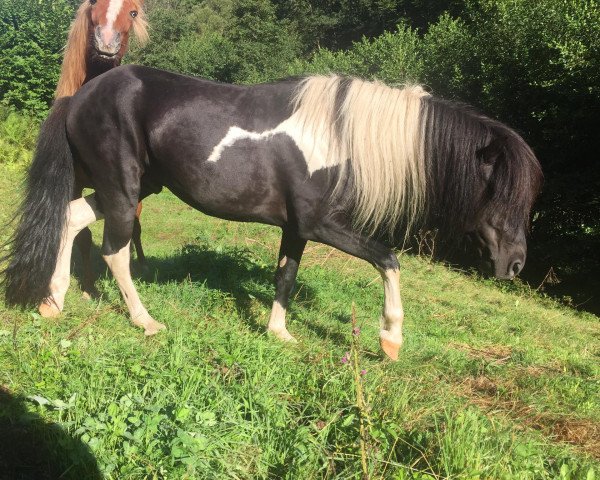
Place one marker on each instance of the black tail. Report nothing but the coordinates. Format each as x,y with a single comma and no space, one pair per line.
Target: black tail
35,245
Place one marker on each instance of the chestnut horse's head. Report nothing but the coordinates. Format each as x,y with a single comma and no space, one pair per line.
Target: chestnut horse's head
111,21
98,39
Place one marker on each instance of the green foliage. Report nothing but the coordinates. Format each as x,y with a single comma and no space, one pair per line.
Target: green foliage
32,33
237,41
17,137
264,44
392,57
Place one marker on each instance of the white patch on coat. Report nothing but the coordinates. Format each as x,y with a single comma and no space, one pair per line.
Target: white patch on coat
315,150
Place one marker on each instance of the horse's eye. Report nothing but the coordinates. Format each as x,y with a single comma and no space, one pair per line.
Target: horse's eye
93,2
133,13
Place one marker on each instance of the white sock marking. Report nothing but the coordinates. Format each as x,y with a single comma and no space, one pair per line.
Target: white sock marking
393,313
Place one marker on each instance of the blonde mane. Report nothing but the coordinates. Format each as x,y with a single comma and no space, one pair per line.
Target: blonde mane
73,70
377,131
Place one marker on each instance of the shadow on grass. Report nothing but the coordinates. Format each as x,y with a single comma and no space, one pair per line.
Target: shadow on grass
33,449
233,270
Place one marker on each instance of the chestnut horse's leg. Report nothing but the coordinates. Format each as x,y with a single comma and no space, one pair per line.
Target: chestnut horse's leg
137,235
82,212
338,235
290,253
84,243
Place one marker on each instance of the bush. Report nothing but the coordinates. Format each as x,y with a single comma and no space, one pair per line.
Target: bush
32,34
391,57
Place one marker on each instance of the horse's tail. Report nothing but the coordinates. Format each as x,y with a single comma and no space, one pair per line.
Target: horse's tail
34,247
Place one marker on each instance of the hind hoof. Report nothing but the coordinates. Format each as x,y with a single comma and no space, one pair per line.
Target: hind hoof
153,328
283,335
49,310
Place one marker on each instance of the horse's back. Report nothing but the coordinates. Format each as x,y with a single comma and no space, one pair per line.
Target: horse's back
208,142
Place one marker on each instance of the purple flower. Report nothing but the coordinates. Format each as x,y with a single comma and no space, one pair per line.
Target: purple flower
346,358
356,331
363,372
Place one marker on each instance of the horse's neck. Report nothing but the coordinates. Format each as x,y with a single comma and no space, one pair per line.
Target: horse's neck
95,68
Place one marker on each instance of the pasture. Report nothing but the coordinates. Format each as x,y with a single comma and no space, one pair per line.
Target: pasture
493,381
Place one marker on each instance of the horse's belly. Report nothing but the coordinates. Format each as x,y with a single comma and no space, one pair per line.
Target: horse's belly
244,183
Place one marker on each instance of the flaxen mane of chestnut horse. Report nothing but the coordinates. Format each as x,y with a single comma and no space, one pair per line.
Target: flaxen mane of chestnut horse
353,164
98,40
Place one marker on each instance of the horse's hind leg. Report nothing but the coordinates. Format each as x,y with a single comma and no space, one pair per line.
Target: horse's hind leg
118,228
82,212
385,261
118,263
290,253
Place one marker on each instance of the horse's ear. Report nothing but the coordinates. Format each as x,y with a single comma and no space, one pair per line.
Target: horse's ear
490,154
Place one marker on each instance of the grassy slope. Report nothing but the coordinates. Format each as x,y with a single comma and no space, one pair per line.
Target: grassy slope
490,384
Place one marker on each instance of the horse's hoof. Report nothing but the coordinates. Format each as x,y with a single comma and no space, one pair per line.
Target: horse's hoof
391,349
49,310
153,327
283,335
390,346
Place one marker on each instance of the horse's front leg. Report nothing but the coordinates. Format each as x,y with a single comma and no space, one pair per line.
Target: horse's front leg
340,235
390,335
82,212
290,253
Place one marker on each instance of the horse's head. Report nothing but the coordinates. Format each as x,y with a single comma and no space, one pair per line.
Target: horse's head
111,22
509,180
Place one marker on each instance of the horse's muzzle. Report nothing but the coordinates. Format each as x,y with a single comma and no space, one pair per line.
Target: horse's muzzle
107,42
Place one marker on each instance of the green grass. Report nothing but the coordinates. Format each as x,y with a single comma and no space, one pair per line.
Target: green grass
493,381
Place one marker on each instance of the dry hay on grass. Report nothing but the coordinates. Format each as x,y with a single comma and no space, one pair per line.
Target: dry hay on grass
485,393
491,353
496,397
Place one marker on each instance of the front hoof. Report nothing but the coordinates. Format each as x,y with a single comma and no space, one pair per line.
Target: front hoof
49,310
390,346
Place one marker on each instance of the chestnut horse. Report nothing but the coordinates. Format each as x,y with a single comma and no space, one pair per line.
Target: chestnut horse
98,40
353,164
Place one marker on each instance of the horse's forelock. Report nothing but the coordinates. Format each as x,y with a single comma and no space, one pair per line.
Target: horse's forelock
517,180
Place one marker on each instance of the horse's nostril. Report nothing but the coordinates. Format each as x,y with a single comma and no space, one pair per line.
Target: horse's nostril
516,268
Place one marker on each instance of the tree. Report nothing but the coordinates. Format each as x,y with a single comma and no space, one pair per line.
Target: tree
32,34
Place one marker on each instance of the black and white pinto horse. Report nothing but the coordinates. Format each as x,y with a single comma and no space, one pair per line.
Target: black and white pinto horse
353,164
